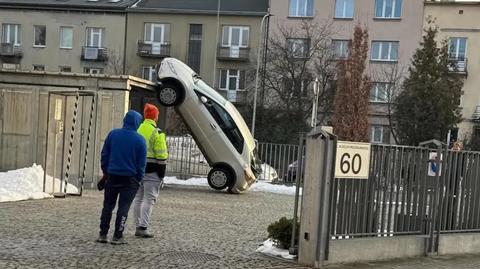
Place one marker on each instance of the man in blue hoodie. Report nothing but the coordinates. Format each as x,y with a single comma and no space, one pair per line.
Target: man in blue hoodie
124,157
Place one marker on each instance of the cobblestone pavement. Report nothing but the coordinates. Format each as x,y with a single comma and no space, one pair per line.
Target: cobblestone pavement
194,228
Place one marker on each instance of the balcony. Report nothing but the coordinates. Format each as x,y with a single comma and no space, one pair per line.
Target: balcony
10,53
94,54
235,97
233,54
476,114
149,49
458,66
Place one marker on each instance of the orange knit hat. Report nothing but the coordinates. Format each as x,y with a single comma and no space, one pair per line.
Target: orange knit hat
150,112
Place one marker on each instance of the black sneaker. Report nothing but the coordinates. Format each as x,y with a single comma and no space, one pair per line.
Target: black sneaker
102,239
142,232
118,241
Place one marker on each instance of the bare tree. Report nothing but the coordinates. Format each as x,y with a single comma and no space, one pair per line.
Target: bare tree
392,75
297,54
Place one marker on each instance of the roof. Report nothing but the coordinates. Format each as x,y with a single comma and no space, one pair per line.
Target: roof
227,7
70,4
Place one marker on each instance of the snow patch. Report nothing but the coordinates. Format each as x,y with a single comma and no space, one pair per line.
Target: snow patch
268,247
27,183
258,186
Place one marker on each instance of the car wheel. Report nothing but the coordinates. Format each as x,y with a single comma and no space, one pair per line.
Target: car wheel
169,94
219,178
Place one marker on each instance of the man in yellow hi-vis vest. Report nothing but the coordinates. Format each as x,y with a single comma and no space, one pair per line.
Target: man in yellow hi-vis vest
157,155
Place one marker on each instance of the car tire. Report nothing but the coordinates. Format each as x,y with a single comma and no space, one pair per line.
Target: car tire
219,178
169,94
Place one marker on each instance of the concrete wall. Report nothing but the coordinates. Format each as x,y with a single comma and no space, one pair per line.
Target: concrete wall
407,30
452,244
52,56
179,36
467,25
24,112
374,249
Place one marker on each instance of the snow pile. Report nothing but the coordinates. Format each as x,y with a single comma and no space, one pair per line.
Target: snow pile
268,247
27,183
259,186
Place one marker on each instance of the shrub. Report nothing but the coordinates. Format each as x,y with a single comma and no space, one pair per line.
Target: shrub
281,232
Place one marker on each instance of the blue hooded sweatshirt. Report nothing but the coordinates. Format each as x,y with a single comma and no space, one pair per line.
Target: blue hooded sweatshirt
124,152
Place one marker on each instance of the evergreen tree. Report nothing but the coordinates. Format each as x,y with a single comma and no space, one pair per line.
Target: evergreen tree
428,105
351,106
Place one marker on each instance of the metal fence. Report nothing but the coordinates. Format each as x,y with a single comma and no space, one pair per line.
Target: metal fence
402,197
279,160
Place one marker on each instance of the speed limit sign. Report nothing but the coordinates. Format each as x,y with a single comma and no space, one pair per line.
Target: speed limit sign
352,160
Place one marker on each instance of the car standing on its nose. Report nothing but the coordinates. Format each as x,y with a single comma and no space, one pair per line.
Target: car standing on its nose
216,125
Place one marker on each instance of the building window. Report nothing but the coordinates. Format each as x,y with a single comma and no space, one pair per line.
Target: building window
149,73
66,69
195,47
92,70
301,8
388,9
340,48
377,134
66,37
384,51
380,92
156,33
95,37
232,79
298,47
11,34
457,48
40,35
38,67
235,36
344,9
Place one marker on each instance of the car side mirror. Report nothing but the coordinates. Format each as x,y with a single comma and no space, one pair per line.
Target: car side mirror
204,99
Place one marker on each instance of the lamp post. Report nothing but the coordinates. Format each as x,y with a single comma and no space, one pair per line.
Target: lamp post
315,105
257,73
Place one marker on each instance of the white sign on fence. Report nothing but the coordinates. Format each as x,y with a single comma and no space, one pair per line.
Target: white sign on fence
352,160
432,164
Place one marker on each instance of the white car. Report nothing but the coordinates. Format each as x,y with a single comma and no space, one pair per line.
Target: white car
269,174
217,127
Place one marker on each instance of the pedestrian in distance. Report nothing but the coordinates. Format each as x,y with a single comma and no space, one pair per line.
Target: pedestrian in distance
157,155
123,161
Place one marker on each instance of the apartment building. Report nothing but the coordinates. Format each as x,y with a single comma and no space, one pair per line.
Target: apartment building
395,29
217,39
459,24
81,36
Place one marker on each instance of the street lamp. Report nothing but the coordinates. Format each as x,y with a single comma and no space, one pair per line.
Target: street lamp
315,104
257,73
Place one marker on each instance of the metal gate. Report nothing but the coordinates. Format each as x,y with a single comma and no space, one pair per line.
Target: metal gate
69,131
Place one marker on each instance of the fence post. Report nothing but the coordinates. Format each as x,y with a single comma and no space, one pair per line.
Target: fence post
435,212
298,183
315,218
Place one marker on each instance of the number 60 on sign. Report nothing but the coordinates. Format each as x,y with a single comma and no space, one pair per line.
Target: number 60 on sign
352,160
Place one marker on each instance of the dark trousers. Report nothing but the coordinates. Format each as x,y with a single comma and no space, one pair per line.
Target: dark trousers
125,189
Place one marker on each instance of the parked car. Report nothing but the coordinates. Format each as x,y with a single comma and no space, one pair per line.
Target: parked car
269,174
291,174
215,124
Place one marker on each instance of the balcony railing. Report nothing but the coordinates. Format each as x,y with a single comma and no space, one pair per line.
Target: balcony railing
10,50
94,54
233,53
234,96
149,49
476,114
458,65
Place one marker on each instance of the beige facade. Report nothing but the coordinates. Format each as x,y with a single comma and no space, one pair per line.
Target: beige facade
173,40
387,25
459,23
53,55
